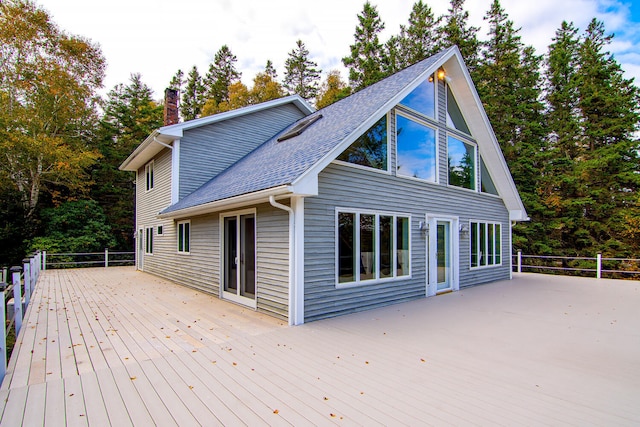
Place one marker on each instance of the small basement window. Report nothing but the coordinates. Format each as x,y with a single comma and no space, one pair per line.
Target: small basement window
300,127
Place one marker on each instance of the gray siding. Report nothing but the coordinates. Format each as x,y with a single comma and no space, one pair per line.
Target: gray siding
349,187
200,269
208,150
273,261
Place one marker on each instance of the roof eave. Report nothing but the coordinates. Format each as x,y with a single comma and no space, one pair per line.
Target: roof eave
229,203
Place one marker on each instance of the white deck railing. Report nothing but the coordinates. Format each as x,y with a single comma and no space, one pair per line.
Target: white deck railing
597,266
87,259
19,288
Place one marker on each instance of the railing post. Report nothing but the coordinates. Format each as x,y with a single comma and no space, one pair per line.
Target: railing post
28,283
3,335
34,272
17,297
44,260
106,257
599,266
519,261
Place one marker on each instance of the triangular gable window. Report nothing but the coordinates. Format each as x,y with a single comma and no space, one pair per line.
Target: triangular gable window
370,149
455,119
423,98
485,180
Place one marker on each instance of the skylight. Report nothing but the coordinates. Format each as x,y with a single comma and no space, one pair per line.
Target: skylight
300,127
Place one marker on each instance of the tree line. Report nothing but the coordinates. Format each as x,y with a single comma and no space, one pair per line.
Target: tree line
567,122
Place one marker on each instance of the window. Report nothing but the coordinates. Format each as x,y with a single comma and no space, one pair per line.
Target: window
184,236
423,98
486,247
486,183
416,147
371,246
455,119
462,163
370,149
148,240
160,230
148,172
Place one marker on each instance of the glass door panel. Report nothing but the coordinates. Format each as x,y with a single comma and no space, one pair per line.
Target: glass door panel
239,258
443,255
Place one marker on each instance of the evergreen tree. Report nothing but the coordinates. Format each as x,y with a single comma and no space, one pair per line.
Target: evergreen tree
192,99
418,40
367,61
130,115
607,170
508,85
270,70
177,81
455,31
301,75
222,74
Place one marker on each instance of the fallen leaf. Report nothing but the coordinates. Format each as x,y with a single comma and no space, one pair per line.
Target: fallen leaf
326,398
275,411
132,378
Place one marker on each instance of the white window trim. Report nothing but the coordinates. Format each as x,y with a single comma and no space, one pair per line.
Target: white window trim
378,279
386,171
148,231
419,120
472,142
150,166
187,237
494,223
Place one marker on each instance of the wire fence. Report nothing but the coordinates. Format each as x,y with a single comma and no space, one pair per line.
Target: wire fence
87,259
598,266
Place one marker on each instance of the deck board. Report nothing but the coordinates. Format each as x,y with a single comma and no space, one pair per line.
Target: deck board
113,346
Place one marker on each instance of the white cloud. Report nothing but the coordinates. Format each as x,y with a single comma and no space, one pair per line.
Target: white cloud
158,37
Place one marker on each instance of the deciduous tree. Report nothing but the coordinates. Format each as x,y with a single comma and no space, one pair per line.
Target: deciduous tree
48,84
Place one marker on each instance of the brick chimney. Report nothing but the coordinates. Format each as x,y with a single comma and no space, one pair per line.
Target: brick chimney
170,106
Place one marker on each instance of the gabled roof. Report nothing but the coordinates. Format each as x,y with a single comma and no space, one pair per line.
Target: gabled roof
167,134
292,165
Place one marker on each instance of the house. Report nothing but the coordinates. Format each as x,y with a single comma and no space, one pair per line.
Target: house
398,192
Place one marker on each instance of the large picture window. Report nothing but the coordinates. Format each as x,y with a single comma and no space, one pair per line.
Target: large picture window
423,98
462,163
486,246
184,236
371,246
416,149
370,149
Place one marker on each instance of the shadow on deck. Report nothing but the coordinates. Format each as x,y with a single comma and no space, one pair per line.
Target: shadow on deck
119,347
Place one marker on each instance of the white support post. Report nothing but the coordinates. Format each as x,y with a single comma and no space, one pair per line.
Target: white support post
17,297
28,283
5,275
519,261
599,266
3,339
106,257
44,260
34,272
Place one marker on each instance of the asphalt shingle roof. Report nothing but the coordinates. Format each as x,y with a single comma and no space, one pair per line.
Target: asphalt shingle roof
274,163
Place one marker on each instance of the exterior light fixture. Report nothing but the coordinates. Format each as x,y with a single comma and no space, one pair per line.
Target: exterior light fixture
441,74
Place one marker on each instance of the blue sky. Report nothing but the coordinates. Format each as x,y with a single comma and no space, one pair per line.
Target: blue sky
157,37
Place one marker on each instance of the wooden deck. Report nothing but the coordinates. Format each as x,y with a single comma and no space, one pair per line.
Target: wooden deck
119,347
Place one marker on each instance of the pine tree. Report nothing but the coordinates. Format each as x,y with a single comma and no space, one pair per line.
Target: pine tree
192,99
130,115
222,74
367,61
301,74
177,81
270,70
607,171
455,31
508,85
418,40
